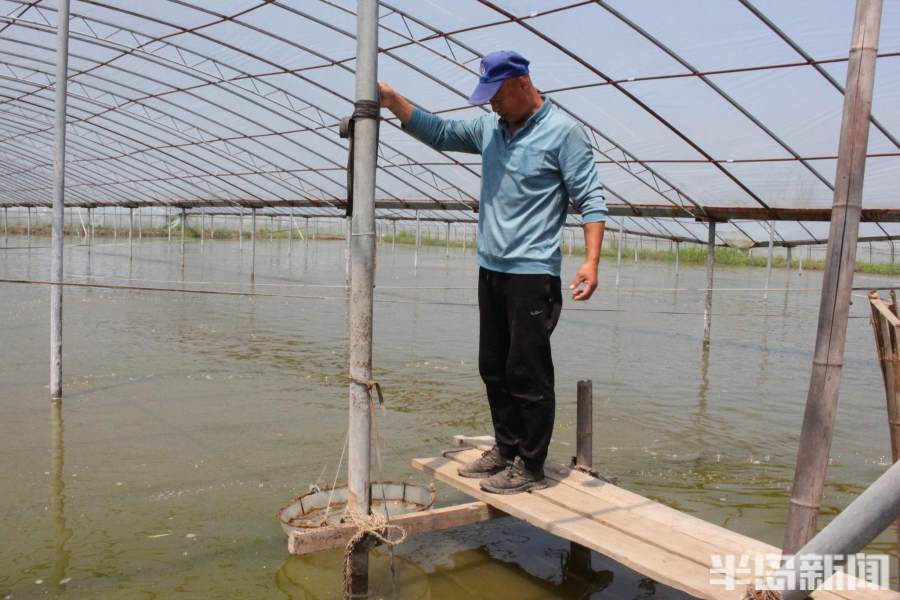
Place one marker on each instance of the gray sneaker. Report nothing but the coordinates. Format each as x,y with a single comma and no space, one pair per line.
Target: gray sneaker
515,479
488,464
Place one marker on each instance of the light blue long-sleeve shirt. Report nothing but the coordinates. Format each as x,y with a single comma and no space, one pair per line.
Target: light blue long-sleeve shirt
527,181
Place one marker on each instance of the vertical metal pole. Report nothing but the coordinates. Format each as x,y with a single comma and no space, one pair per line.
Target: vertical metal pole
130,230
800,266
416,256
619,246
59,186
241,228
448,238
306,229
271,228
769,259
140,224
710,269
362,282
291,235
169,224
252,244
837,283
348,235
28,224
183,220
212,227
789,260
116,224
202,227
870,252
465,229
677,257
393,234
90,229
637,242
5,226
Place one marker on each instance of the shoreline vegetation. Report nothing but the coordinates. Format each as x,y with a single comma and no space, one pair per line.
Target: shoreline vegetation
689,254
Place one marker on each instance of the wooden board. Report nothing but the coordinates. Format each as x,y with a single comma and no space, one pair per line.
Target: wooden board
673,548
337,536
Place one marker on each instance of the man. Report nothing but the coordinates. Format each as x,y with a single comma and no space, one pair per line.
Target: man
534,160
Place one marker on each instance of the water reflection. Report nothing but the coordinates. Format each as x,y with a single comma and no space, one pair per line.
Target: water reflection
470,573
61,533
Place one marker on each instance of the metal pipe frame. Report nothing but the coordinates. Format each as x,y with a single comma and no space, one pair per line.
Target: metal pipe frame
139,141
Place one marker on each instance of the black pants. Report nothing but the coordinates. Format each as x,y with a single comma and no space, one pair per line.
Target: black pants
518,314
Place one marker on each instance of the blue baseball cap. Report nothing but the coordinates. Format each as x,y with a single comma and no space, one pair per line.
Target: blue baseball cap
496,68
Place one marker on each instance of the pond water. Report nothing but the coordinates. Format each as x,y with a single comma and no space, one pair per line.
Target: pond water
189,419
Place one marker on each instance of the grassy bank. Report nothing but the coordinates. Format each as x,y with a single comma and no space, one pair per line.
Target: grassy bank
689,255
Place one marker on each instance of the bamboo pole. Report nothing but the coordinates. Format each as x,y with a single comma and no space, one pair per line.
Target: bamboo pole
59,193
710,272
821,401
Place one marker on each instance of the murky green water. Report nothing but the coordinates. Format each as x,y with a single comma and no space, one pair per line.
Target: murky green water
189,419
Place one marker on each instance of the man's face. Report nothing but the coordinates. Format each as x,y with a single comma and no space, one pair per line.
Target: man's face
509,101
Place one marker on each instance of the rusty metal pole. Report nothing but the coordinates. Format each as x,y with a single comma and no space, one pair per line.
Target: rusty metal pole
59,193
361,232
580,556
822,397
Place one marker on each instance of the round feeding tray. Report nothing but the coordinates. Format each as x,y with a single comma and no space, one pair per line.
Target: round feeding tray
390,498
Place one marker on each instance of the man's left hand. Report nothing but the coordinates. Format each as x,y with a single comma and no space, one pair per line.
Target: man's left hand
585,281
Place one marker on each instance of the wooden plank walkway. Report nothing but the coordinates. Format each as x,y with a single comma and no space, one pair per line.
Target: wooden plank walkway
655,540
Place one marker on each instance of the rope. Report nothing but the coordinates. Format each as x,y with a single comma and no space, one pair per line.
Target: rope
374,525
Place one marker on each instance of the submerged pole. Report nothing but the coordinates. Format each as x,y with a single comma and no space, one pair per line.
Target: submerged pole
59,192
416,255
710,271
252,244
822,397
619,251
348,234
677,257
183,219
362,280
130,230
769,259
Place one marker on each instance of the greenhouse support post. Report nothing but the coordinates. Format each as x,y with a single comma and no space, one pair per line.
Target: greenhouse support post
59,187
710,272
